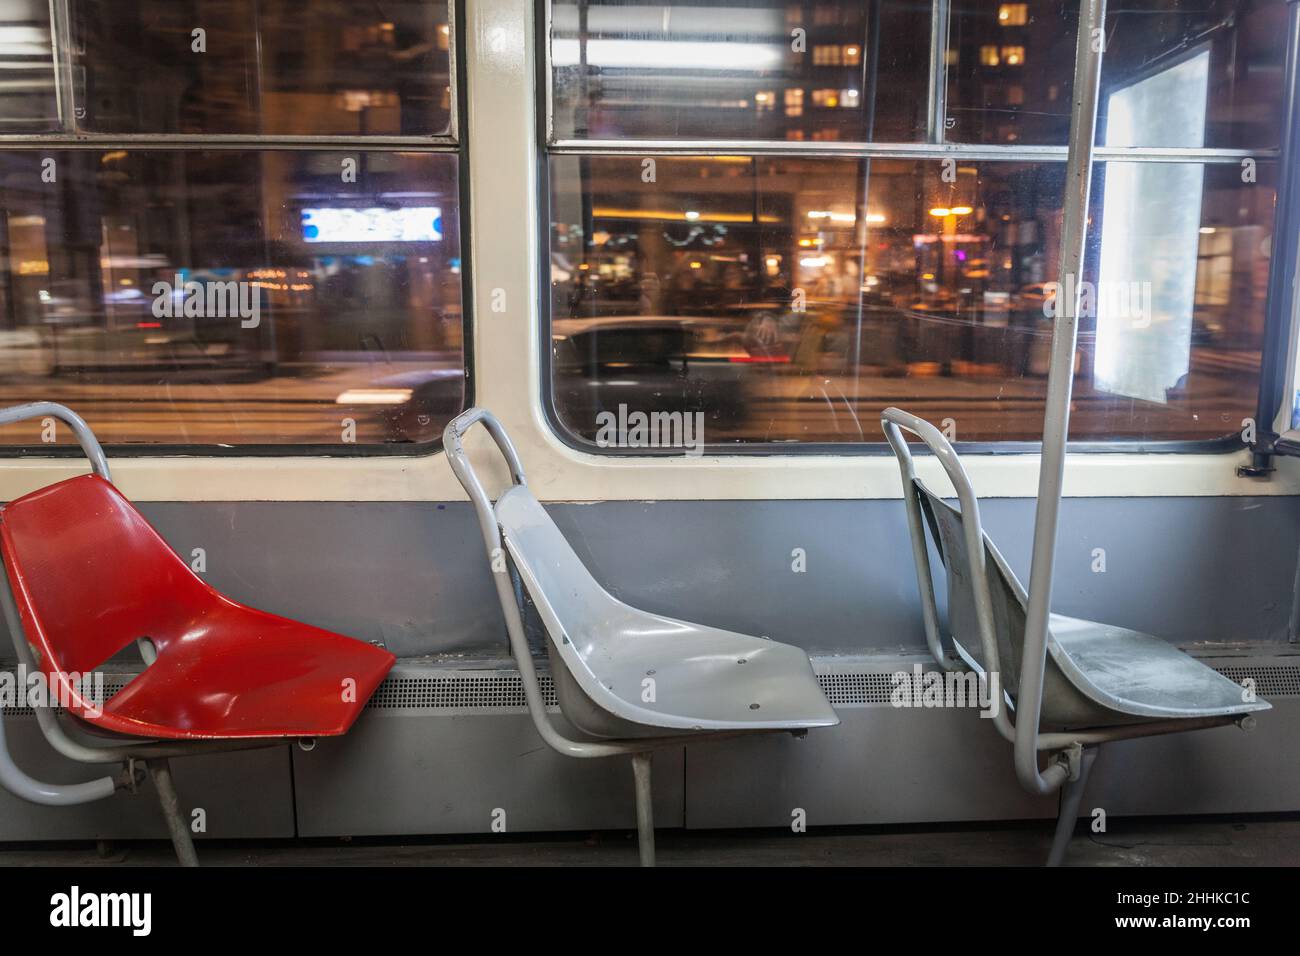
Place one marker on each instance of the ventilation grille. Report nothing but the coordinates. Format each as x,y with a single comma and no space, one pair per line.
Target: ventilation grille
869,687
1271,680
503,691
112,684
497,691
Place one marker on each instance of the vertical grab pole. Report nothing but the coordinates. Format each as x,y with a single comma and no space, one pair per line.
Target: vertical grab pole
1060,382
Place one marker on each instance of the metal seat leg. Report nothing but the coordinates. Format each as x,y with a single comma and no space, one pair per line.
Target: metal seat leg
645,824
1071,797
160,771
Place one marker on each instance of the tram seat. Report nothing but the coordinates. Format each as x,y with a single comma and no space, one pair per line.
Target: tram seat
1097,674
1100,682
601,650
86,577
91,577
605,655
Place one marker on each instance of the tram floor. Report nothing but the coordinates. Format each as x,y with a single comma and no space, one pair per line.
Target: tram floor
1201,842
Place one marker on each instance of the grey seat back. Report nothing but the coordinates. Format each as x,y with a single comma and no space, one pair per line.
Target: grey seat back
1006,595
557,580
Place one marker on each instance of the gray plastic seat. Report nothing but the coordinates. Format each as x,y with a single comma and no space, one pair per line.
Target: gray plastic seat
1099,682
604,651
1097,674
633,680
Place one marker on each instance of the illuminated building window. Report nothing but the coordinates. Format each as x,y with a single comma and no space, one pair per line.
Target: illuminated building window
989,56
794,102
826,15
826,55
1013,55
1013,14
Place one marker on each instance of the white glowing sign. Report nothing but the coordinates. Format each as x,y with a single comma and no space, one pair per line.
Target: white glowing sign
341,224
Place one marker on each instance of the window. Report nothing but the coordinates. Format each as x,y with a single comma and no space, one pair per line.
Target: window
622,69
1245,42
259,247
825,55
273,67
787,294
1013,14
832,99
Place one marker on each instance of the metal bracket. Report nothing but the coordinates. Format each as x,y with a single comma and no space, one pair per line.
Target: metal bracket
1072,759
1261,460
1255,471
132,775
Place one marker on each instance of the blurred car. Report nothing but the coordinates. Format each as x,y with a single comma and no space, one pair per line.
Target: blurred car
414,405
120,332
649,364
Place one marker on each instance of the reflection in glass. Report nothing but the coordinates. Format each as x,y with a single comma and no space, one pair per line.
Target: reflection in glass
27,100
791,299
189,297
1150,234
286,67
760,69
1009,79
1241,47
853,71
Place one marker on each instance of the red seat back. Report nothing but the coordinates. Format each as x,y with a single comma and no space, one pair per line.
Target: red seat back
90,575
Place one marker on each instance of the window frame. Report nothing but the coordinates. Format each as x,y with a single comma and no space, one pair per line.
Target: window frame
455,142
936,147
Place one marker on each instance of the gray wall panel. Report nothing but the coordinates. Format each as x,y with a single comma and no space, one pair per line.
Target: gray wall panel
1214,771
414,574
413,772
880,765
410,575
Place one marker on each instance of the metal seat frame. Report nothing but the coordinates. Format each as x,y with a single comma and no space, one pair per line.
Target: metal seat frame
511,593
1070,753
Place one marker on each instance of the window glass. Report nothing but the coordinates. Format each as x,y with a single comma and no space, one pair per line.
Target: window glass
233,297
27,99
1010,70
787,299
1214,65
844,70
275,67
758,69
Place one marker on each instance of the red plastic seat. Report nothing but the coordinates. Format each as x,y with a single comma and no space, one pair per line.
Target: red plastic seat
90,576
